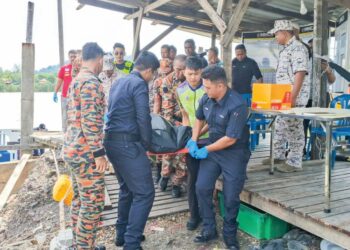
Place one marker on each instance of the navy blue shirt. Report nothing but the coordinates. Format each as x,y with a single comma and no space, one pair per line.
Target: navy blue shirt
242,74
128,108
227,117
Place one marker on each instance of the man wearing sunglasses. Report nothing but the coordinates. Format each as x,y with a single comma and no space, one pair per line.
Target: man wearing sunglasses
122,67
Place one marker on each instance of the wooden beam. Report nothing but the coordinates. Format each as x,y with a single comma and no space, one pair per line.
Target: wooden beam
235,21
137,34
132,3
213,15
342,3
147,9
220,7
12,181
159,37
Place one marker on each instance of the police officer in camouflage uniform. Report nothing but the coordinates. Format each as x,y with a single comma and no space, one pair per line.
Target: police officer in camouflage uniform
292,68
83,149
165,104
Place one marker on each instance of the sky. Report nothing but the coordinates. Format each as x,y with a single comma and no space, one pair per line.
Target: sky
89,24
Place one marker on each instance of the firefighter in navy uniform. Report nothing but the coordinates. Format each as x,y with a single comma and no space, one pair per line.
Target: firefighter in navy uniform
227,153
127,138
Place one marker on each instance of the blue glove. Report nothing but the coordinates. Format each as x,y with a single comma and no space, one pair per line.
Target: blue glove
201,153
192,147
55,98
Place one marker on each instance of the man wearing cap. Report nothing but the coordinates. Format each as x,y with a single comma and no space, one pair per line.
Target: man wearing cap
292,69
108,75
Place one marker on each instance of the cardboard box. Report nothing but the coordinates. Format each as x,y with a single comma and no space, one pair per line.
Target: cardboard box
272,96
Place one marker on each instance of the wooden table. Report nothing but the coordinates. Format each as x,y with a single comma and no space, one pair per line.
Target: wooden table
327,118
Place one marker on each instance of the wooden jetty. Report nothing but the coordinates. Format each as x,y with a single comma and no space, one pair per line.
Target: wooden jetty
297,198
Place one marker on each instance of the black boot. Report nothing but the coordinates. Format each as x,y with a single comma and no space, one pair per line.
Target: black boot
157,176
176,193
192,224
119,240
205,236
163,183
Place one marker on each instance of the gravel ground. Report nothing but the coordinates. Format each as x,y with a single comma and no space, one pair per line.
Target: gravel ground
31,220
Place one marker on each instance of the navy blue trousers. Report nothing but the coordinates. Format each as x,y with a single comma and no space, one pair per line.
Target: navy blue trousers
136,194
232,165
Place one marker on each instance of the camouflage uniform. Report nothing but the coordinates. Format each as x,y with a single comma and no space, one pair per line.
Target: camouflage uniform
107,83
82,144
165,104
292,59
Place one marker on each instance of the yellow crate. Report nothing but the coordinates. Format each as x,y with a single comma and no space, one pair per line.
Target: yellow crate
272,96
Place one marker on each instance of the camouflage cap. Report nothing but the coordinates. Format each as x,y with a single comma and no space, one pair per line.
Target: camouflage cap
281,25
108,62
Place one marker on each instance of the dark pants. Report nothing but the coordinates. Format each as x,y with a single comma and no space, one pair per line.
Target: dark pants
136,194
232,165
192,174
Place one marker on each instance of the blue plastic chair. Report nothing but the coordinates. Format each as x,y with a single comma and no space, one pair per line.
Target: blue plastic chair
344,101
255,122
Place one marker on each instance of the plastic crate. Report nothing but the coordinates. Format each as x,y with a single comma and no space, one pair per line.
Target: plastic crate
257,223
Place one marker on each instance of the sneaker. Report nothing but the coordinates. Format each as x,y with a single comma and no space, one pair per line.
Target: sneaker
163,183
176,192
286,168
268,161
100,247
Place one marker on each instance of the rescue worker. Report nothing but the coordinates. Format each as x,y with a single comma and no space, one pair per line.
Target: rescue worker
83,150
127,138
122,67
189,93
227,153
165,104
292,69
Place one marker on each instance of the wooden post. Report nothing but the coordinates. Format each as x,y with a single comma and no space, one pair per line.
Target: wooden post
137,30
226,51
60,32
320,47
30,22
27,85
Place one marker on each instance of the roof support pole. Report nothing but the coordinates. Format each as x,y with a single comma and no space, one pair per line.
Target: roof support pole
213,15
137,30
226,50
320,47
27,84
60,32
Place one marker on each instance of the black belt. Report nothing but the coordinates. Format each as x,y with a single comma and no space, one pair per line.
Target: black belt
121,137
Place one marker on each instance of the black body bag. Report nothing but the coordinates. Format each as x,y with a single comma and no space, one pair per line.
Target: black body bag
167,138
